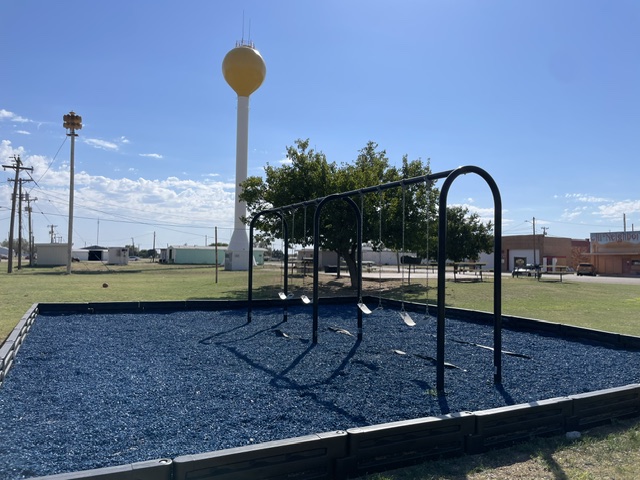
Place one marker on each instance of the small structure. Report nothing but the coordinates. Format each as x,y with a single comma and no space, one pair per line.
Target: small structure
51,254
191,255
521,250
118,256
196,255
96,253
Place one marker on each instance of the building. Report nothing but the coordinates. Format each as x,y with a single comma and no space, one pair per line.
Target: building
51,254
520,250
191,255
55,254
616,253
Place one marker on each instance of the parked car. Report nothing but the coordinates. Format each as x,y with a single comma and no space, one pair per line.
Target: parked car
586,269
526,270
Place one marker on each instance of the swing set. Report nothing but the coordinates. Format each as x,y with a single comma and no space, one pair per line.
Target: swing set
449,176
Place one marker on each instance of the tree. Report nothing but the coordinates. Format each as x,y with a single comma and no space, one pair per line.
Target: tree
401,219
467,236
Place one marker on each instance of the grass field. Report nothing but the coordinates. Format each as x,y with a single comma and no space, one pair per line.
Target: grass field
600,306
606,452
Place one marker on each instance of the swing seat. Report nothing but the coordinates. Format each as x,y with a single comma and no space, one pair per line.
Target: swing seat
364,308
305,299
406,318
284,296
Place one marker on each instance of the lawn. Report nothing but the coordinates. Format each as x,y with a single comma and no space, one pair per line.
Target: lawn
593,305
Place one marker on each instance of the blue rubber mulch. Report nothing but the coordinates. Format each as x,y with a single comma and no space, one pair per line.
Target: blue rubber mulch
90,391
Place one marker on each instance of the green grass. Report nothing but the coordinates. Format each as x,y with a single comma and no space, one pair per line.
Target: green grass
611,307
593,305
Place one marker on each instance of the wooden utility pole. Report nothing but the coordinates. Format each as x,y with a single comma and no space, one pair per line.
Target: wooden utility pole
17,166
52,233
28,209
20,197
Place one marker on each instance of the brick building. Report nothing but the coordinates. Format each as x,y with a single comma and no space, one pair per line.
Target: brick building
616,253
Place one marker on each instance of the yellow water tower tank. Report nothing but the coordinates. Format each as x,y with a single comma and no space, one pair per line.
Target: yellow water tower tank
244,70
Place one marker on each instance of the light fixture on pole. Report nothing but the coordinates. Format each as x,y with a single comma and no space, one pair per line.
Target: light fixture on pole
71,122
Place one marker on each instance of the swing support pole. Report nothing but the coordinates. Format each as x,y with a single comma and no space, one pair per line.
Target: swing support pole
316,259
497,286
252,224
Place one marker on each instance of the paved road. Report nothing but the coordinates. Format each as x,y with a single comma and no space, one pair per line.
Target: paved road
391,272
602,279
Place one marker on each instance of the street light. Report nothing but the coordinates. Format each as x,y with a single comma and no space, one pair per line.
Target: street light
71,122
534,240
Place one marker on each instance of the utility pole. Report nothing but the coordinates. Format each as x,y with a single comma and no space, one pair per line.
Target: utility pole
52,233
71,122
534,241
20,198
17,166
28,209
153,258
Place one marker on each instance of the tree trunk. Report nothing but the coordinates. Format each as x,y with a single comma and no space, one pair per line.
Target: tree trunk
349,258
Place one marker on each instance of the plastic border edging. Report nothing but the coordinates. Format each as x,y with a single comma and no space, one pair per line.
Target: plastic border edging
160,469
312,456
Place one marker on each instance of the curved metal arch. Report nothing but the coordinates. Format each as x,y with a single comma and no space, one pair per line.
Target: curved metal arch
442,258
316,255
262,213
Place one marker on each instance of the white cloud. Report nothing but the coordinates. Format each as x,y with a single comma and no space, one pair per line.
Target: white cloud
572,214
102,144
151,155
185,205
23,132
7,115
616,210
581,197
124,140
285,161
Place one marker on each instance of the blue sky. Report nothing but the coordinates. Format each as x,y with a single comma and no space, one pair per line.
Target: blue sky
541,94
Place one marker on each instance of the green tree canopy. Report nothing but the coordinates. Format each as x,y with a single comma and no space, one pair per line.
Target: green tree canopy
401,219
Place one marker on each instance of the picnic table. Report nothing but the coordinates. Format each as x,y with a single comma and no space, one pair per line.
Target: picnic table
559,270
464,267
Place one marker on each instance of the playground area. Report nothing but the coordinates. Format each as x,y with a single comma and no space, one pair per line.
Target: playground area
97,390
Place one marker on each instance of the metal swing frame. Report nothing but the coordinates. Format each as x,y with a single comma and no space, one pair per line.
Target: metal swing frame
449,176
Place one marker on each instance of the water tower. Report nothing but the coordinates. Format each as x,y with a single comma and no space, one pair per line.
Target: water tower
244,70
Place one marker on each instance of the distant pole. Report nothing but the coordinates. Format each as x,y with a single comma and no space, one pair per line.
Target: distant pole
153,256
216,250
534,242
31,240
17,166
13,216
71,122
20,224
